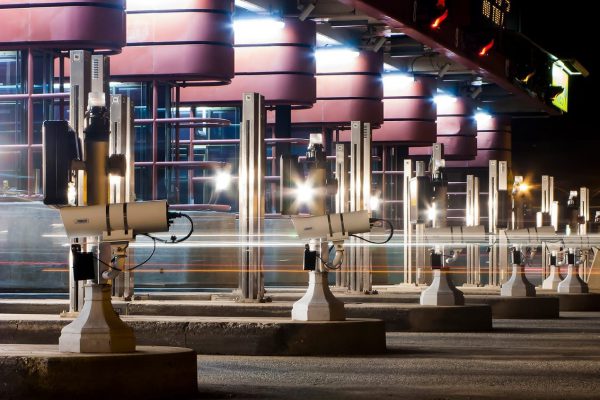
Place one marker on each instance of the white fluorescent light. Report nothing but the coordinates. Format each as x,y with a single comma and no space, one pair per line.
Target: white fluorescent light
444,99
482,117
335,56
398,80
257,30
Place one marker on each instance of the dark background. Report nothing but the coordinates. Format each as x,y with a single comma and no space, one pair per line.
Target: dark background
566,147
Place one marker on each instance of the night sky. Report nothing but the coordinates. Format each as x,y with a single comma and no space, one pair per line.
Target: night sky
567,147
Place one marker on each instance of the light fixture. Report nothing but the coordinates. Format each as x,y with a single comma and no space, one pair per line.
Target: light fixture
482,117
335,56
398,80
71,194
351,23
114,179
486,49
432,212
573,67
444,100
306,11
222,180
257,30
374,203
380,42
305,192
439,20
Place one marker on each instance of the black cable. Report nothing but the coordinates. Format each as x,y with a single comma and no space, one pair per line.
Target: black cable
149,257
173,239
329,266
386,240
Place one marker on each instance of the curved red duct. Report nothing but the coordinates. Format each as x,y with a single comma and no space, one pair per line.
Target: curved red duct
348,91
456,129
281,69
63,25
494,142
177,40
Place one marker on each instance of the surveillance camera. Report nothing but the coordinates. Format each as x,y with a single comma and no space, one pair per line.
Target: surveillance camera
116,222
454,235
333,227
531,236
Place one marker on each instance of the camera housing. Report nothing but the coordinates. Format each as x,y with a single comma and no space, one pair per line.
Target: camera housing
333,227
116,222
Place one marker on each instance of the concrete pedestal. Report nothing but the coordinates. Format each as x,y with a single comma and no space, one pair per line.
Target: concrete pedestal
318,304
552,281
573,282
42,372
518,285
98,328
442,291
579,301
265,336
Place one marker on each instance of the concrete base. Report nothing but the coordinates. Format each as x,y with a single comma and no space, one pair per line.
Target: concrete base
318,304
518,285
442,291
552,281
42,372
227,336
579,301
98,328
546,307
572,283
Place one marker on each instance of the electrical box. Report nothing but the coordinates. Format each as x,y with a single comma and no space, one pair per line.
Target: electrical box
60,147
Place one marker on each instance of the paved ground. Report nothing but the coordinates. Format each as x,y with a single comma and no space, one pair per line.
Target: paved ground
521,359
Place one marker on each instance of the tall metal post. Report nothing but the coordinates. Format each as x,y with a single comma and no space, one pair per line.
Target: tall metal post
420,251
584,213
497,221
360,194
122,141
342,167
408,172
472,219
546,211
78,99
251,197
502,221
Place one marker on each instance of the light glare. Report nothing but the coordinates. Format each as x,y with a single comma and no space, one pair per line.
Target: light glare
335,56
222,181
257,30
305,193
444,100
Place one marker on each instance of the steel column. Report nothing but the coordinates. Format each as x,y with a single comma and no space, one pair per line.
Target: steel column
342,167
252,197
360,267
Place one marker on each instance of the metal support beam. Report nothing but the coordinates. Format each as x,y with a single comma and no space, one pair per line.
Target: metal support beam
342,168
251,197
473,219
122,141
360,268
78,100
408,173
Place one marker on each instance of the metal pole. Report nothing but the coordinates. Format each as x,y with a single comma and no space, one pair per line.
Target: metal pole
360,194
80,80
342,166
251,197
408,172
